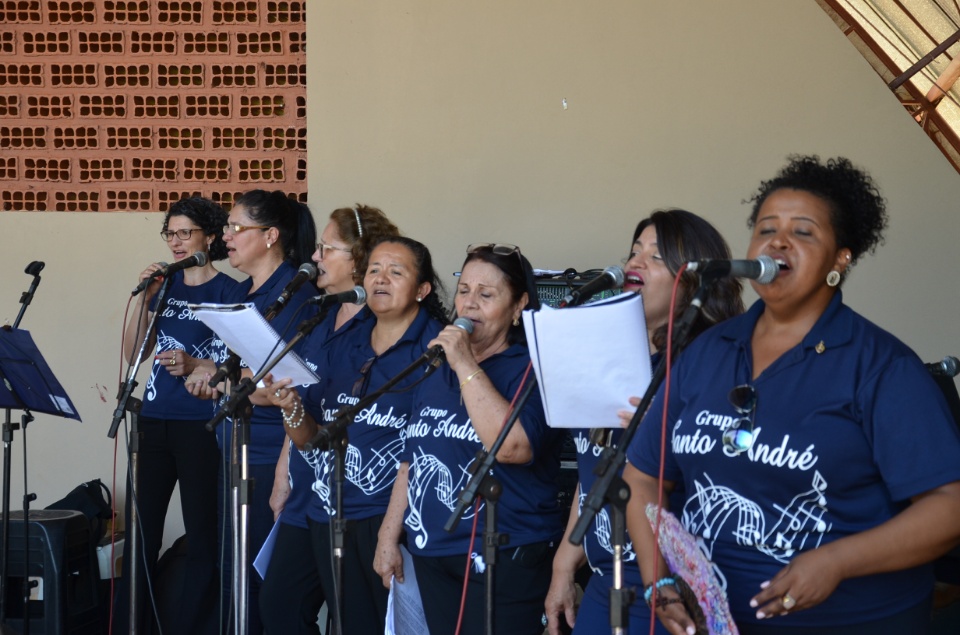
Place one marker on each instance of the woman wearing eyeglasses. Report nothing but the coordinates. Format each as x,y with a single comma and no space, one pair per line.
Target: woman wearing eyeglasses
175,446
403,314
458,411
661,243
818,458
291,595
268,236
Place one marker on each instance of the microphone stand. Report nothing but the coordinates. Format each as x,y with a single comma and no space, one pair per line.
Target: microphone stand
241,483
126,402
8,429
610,488
484,484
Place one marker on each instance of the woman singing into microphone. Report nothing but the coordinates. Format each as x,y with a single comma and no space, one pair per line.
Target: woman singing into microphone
826,472
458,411
291,595
403,314
175,446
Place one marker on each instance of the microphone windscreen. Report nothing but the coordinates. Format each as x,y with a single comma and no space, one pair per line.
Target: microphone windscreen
361,295
768,269
310,269
465,324
34,267
616,273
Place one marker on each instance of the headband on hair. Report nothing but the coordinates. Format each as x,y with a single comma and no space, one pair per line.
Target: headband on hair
359,226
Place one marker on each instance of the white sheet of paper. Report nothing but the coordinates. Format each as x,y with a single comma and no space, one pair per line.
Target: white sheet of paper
245,332
262,561
589,360
404,605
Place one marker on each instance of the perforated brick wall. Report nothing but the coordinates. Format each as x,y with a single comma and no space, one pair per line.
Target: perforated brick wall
131,105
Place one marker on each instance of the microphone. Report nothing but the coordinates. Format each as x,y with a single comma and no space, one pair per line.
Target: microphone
198,259
435,355
35,267
307,271
356,295
949,366
611,278
763,269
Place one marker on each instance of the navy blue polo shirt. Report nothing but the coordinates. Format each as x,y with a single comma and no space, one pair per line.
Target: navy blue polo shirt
849,426
300,474
266,425
179,329
377,432
441,445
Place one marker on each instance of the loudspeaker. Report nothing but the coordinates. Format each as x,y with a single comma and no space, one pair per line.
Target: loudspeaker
63,559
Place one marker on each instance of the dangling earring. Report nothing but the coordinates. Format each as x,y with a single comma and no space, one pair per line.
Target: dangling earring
516,321
833,278
269,245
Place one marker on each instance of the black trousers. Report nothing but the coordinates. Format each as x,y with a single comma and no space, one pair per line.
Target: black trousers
522,579
291,595
364,597
172,451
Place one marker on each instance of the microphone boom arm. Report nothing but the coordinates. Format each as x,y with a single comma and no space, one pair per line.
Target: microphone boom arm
609,486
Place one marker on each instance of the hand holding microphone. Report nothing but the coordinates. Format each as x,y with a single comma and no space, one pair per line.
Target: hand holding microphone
452,342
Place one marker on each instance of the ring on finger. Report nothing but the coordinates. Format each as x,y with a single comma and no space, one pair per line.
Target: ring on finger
277,394
787,601
173,361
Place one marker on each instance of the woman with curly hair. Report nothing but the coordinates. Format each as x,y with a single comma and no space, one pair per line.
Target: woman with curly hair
796,431
291,595
175,446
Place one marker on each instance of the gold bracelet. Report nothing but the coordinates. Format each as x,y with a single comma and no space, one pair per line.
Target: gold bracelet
469,377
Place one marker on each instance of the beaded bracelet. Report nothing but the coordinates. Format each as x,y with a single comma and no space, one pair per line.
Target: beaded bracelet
662,582
289,419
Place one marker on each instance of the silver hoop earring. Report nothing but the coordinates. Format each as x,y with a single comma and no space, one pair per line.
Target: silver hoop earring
833,278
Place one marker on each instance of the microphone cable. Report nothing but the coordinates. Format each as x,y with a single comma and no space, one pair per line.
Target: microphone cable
663,441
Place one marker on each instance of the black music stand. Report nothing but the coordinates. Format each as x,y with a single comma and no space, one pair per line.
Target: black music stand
27,384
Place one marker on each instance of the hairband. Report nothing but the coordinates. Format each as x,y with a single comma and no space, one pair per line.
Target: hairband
359,226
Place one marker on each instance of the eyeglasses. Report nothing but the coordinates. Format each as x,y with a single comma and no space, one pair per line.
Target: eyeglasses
236,229
182,234
360,386
322,247
736,439
501,249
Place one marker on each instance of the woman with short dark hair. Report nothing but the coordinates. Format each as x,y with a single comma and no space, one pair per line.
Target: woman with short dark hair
824,476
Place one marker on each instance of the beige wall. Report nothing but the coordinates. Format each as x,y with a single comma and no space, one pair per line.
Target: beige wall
448,115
